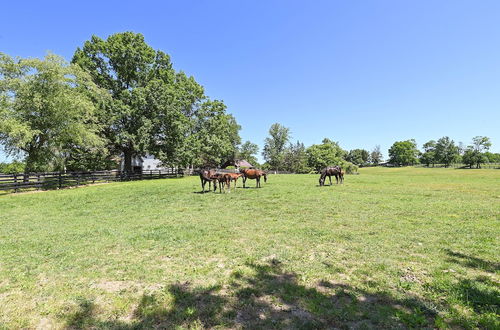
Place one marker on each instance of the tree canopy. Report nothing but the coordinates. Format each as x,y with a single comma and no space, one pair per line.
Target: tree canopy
428,157
358,157
248,151
404,153
152,106
376,155
446,152
327,153
47,109
275,145
475,154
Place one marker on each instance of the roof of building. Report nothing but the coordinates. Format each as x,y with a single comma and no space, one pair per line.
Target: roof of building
237,163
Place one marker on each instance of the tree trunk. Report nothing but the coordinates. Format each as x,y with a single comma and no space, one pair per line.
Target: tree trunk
127,161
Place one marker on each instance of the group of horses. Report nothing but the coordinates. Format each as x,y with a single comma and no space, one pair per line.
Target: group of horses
224,179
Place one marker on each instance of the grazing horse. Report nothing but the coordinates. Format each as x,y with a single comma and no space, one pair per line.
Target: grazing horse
224,179
253,174
234,177
264,174
331,171
207,176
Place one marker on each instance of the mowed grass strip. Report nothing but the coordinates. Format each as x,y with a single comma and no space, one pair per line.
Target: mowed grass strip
391,247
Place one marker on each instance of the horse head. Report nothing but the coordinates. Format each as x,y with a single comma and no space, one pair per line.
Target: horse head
264,174
322,177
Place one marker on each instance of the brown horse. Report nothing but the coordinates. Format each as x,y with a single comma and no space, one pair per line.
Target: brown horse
207,176
331,171
234,177
224,179
253,174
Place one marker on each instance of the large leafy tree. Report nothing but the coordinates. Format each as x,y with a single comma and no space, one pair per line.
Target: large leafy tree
248,151
358,156
295,159
446,151
428,157
216,135
404,153
376,155
152,105
492,157
47,109
275,145
328,153
476,153
12,167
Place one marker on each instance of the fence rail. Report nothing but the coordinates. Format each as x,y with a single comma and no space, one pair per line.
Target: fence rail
461,165
58,180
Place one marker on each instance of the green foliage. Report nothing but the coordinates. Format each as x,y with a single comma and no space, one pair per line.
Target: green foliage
404,153
376,156
295,159
12,167
275,146
428,157
47,110
215,138
358,157
90,159
480,145
492,157
325,154
152,106
248,151
446,152
348,167
476,154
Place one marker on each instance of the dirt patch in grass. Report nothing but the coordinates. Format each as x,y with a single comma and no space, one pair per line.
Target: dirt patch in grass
118,286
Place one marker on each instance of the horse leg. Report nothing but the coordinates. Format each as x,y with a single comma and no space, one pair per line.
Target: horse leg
244,180
258,181
330,178
203,185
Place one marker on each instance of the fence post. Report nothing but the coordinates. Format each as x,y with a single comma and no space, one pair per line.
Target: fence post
38,181
60,181
15,183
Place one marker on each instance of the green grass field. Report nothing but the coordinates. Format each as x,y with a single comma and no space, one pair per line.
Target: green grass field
392,247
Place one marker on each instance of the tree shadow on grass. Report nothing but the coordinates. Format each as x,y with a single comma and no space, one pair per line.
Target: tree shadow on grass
263,296
473,262
472,302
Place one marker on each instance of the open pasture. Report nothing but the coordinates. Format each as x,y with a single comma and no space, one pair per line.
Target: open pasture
391,247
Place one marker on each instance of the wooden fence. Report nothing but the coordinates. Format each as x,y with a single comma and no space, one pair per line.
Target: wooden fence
460,165
58,180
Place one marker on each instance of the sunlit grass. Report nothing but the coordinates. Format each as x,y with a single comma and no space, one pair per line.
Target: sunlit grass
391,247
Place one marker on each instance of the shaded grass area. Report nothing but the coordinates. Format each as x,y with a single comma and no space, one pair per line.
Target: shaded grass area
390,248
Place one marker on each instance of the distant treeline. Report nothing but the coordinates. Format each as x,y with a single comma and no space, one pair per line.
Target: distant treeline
443,151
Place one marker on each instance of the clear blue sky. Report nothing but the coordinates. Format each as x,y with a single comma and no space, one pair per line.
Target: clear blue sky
358,72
